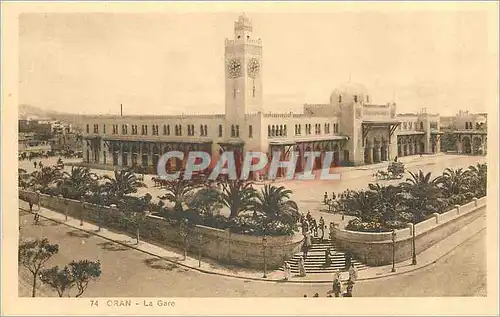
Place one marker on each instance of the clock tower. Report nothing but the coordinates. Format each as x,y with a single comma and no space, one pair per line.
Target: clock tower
243,69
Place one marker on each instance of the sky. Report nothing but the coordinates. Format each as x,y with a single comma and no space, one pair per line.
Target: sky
172,63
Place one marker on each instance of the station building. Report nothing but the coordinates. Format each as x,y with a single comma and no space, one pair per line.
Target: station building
357,130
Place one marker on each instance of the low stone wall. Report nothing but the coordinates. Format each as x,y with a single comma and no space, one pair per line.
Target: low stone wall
375,249
221,245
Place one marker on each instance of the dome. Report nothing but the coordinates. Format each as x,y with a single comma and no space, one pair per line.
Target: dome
350,91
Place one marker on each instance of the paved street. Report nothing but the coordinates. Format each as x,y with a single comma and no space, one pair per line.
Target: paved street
127,272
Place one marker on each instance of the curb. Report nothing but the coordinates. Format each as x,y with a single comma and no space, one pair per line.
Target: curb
257,278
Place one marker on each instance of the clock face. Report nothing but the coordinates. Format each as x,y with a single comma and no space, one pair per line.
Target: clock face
234,68
253,67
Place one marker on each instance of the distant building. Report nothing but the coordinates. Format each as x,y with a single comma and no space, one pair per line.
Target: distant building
27,143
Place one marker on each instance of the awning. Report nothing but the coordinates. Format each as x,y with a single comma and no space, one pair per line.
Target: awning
403,133
232,142
382,121
470,132
282,142
323,138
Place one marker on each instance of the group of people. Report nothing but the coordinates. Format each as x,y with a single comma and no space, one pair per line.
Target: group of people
40,164
309,224
336,290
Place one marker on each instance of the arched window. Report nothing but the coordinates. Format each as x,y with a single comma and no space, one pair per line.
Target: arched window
284,130
340,99
281,130
237,130
220,130
233,132
268,130
206,130
355,98
273,131
250,131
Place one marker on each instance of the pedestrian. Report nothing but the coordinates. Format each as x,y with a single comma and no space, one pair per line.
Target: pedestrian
305,248
36,218
288,271
348,259
31,205
328,257
353,273
322,227
350,286
302,269
34,164
331,232
309,218
337,286
315,227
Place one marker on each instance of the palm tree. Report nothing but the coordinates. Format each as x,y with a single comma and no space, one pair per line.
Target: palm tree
178,190
205,201
77,183
275,203
44,177
237,195
456,185
123,183
479,181
423,194
360,204
388,200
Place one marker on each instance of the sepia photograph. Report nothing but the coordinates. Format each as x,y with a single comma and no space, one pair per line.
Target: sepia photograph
253,152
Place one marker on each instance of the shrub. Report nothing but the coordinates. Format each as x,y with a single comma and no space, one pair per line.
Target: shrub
358,225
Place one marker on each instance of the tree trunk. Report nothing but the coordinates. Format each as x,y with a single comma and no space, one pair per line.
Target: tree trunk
234,212
33,293
99,219
66,212
137,235
185,247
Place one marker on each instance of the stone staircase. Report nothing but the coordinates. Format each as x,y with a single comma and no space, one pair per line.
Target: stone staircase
315,261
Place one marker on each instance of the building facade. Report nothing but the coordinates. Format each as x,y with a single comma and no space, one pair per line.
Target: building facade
350,125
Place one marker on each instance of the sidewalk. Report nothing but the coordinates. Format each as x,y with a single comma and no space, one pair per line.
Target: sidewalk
208,266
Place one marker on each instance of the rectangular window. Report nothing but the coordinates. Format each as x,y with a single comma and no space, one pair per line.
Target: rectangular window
250,131
220,130
164,129
104,128
88,128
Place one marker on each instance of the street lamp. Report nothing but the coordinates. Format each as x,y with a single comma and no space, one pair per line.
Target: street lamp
38,198
200,243
264,244
393,251
414,255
